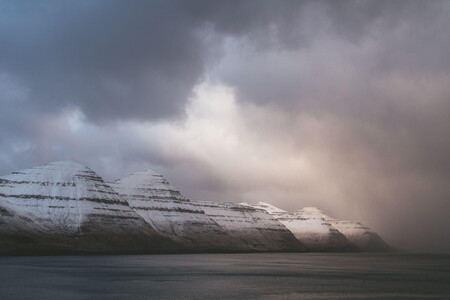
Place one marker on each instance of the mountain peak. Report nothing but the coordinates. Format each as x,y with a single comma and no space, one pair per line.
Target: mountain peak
149,173
147,184
57,171
146,178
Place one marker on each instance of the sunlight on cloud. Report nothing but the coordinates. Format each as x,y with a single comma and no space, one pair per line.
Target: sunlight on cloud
219,139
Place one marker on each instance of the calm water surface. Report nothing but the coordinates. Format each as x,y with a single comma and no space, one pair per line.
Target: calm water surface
227,276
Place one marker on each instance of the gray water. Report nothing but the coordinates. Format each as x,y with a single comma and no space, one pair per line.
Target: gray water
227,276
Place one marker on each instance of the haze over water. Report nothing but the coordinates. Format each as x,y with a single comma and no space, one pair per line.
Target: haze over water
227,276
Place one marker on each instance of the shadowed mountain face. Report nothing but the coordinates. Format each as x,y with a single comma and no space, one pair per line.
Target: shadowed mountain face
320,232
64,207
202,225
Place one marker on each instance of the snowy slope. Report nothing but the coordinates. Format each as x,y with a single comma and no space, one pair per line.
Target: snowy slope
171,214
201,225
251,229
319,231
64,207
360,235
309,225
69,204
355,232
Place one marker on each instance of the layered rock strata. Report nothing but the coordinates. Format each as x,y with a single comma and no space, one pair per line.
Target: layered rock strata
65,207
203,226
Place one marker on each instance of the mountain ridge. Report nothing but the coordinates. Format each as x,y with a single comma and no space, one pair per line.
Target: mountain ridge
201,225
64,207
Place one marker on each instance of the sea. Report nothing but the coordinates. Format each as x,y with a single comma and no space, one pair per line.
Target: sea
227,276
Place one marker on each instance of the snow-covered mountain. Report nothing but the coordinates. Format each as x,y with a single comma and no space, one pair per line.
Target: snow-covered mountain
65,206
169,213
311,227
320,232
250,228
361,235
202,225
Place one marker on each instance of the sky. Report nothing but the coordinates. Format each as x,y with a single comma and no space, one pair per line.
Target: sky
342,105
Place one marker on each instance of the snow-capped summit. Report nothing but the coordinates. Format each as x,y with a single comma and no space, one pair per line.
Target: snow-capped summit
64,199
57,181
148,184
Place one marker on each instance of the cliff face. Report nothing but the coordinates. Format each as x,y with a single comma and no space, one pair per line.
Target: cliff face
202,225
65,206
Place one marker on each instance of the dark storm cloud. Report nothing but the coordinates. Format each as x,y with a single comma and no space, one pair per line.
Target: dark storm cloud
117,59
140,59
340,104
130,59
407,36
